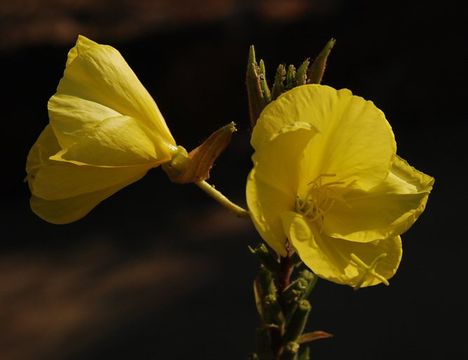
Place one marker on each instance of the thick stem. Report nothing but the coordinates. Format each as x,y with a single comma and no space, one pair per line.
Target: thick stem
223,200
286,270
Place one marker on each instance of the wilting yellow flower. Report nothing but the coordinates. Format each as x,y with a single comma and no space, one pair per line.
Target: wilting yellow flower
105,132
327,182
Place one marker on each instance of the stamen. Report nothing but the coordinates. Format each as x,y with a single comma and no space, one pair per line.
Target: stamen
320,198
368,269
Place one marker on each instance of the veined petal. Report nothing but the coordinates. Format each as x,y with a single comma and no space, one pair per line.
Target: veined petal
52,180
99,73
387,210
64,211
354,141
45,146
61,180
71,115
115,141
272,185
278,162
342,261
266,203
407,179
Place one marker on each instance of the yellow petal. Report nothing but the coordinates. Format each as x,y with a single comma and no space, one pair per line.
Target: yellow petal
60,180
98,73
52,180
64,211
265,204
70,116
335,259
387,210
354,141
272,185
117,141
45,146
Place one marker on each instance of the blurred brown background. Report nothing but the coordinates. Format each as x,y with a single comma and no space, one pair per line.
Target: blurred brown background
159,271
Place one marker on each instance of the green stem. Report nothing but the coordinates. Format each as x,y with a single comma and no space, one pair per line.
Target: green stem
223,200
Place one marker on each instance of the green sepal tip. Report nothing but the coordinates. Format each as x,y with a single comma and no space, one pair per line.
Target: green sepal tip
258,91
317,69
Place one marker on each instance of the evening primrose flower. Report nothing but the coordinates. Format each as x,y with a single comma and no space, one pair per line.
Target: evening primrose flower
105,132
328,184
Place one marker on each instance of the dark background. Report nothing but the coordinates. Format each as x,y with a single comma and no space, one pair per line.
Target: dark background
159,271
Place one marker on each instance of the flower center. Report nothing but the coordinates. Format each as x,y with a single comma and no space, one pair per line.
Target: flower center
319,198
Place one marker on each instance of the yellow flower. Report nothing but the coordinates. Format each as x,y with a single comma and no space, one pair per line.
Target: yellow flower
327,181
105,132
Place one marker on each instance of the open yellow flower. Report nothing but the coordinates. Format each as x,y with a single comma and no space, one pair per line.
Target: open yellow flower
327,181
105,132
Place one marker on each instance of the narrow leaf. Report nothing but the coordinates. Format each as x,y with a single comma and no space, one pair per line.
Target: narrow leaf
312,336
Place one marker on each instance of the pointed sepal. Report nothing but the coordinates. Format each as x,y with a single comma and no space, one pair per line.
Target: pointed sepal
195,166
317,69
258,91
